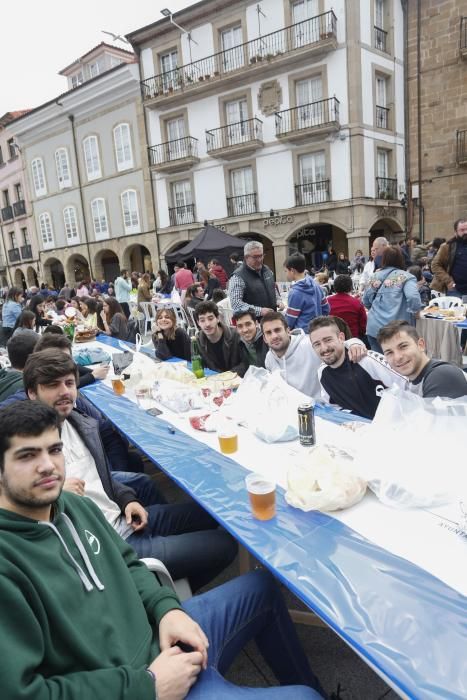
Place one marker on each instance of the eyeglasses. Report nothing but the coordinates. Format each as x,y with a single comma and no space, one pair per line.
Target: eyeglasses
256,257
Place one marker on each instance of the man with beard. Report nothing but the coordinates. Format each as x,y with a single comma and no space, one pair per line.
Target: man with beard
253,349
449,266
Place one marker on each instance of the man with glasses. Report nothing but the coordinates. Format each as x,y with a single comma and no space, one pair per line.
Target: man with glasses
252,285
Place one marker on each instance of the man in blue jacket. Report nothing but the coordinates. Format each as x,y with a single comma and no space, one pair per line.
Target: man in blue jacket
306,298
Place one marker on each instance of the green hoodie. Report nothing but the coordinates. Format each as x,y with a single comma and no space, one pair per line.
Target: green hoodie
79,612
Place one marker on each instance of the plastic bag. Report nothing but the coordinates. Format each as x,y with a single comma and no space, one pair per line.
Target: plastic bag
413,452
322,480
91,356
267,405
177,397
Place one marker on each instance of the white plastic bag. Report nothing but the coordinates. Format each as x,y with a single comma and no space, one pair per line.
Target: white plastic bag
177,397
322,480
413,452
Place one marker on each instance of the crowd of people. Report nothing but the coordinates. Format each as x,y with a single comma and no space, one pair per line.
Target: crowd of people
72,578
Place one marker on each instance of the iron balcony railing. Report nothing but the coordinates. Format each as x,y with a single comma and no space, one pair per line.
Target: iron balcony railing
314,114
312,193
178,149
461,146
13,255
182,215
26,252
463,39
382,117
264,48
7,213
234,134
386,188
381,38
243,204
19,207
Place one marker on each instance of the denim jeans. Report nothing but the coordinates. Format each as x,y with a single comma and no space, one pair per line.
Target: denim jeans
144,487
374,345
187,540
250,607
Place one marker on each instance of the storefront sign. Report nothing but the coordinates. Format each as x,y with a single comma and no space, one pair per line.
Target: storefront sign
387,211
276,220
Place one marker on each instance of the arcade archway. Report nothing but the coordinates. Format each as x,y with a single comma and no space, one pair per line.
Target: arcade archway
314,242
137,258
31,277
389,228
77,268
20,280
190,262
106,265
54,273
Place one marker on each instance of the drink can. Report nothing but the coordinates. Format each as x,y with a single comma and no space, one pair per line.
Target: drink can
306,424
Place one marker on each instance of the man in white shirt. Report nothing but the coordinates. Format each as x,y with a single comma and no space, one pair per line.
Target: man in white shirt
123,286
182,535
377,249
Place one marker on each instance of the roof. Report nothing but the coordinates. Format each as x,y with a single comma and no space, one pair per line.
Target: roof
136,36
11,116
102,45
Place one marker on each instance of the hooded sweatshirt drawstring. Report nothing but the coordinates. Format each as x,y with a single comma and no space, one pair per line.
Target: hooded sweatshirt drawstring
85,580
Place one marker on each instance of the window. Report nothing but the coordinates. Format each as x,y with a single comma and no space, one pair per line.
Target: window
176,147
71,224
236,113
115,61
6,198
123,152
379,14
382,112
46,230
309,96
305,16
313,183
18,191
99,218
38,177
183,210
243,200
77,79
63,168
12,236
12,148
93,69
169,62
25,235
231,40
130,211
91,158
386,187
1,156
383,163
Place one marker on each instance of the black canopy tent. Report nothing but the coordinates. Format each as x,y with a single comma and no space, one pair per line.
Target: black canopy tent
210,242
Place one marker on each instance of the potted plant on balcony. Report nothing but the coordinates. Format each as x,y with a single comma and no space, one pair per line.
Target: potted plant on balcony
269,56
253,59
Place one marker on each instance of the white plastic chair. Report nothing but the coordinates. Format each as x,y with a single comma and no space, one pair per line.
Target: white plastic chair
191,316
181,587
446,302
147,311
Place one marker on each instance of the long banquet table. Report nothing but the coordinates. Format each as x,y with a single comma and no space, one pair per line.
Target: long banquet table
405,623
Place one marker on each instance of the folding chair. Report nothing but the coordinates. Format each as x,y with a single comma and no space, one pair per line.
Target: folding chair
181,587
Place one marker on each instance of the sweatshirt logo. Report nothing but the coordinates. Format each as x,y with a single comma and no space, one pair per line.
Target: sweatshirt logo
93,542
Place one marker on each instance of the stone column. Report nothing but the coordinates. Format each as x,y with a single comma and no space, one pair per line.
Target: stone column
281,253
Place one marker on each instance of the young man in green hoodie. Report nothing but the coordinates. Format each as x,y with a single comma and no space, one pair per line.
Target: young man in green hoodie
82,617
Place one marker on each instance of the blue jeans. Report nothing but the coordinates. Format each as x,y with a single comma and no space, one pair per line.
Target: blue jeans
374,345
143,486
250,607
187,540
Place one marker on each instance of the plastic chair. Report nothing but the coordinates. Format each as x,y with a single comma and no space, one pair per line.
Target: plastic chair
191,316
446,302
181,587
147,309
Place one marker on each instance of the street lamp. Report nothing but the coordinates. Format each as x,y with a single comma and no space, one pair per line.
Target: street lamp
167,13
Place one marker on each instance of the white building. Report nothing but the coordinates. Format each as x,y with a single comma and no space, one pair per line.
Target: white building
86,164
282,120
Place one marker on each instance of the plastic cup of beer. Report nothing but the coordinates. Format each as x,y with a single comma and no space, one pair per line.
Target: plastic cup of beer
118,386
262,495
228,439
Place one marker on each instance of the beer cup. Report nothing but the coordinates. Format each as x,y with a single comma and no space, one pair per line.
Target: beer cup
262,495
118,386
228,438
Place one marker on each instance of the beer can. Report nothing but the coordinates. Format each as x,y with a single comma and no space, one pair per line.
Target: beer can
306,424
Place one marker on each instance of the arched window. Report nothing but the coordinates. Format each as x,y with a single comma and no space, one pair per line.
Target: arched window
130,211
62,164
91,157
123,152
38,177
45,227
71,224
99,218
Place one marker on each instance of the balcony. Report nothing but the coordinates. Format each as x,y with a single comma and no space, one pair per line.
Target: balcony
463,38
7,213
13,255
461,147
312,193
235,140
386,188
263,56
381,39
178,216
19,207
243,204
313,119
174,156
382,117
26,252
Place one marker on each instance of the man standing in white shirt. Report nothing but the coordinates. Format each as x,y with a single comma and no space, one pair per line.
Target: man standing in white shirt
122,286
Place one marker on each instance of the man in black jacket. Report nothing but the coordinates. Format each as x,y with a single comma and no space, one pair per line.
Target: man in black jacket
200,551
219,345
253,349
252,285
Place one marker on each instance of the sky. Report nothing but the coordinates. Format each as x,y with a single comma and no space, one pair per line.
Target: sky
41,38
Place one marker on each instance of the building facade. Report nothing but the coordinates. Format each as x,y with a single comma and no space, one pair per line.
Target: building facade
437,116
86,166
19,251
281,120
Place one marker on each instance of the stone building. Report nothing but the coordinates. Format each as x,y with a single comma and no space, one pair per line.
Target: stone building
281,120
86,163
437,116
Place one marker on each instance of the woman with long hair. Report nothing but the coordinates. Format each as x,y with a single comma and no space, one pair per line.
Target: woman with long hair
88,308
37,306
169,339
392,295
144,290
210,282
113,319
342,265
10,312
162,284
26,321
